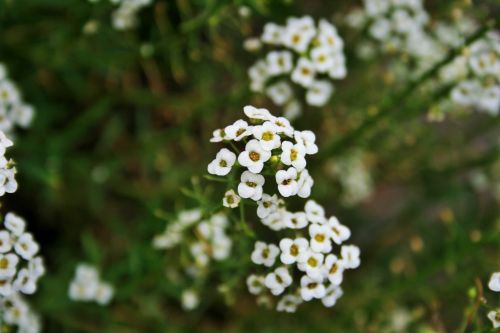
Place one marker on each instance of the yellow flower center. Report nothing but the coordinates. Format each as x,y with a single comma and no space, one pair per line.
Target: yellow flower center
254,156
293,154
267,136
320,238
294,250
4,263
312,262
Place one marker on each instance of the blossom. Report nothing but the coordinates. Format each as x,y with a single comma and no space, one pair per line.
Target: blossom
494,316
190,299
292,249
307,139
494,282
222,163
332,294
320,240
231,199
310,288
297,220
280,92
304,73
278,280
267,205
267,134
288,303
311,262
294,155
333,269
254,156
264,254
255,284
8,265
237,131
350,256
287,182
339,233
319,93
251,185
314,212
279,62
304,184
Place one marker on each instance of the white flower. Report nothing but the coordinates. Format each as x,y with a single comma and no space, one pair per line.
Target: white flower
494,316
223,163
288,303
319,93
273,34
190,299
338,69
278,280
292,249
24,282
218,135
494,283
267,135
252,44
14,224
380,29
231,199
8,264
279,62
282,126
5,241
304,73
332,294
489,100
36,267
255,284
280,92
8,183
350,256
258,75
254,156
264,254
312,263
465,92
310,288
329,37
305,184
322,58
339,233
221,247
287,182
257,114
275,220
293,154
296,220
320,240
6,288
307,139
104,293
292,109
334,269
238,130
314,212
251,186
267,205
298,33
26,246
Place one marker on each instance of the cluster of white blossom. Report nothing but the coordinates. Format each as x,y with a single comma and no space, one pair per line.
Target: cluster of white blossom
207,238
272,147
403,27
16,312
494,285
20,269
311,258
125,16
87,286
353,174
310,57
13,109
8,183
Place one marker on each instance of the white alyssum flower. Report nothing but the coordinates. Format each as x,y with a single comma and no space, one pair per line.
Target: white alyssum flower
190,299
308,140
288,303
350,256
297,220
264,254
338,232
311,263
87,286
255,284
291,250
494,316
222,163
26,246
332,294
267,135
304,184
334,269
304,73
320,238
251,186
279,62
293,155
311,288
314,212
319,93
254,156
280,92
278,280
237,131
287,182
267,205
231,199
494,282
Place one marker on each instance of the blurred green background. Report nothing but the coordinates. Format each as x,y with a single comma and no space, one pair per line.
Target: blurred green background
123,120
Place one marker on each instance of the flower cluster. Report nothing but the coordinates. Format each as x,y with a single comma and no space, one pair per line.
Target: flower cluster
318,273
16,312
272,147
310,57
207,238
403,27
13,109
8,183
125,16
87,286
20,267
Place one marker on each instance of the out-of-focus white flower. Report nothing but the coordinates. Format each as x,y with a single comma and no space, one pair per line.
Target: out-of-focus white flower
280,92
332,294
190,299
311,288
264,254
350,256
334,269
319,93
494,316
288,303
278,280
314,212
255,284
494,282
